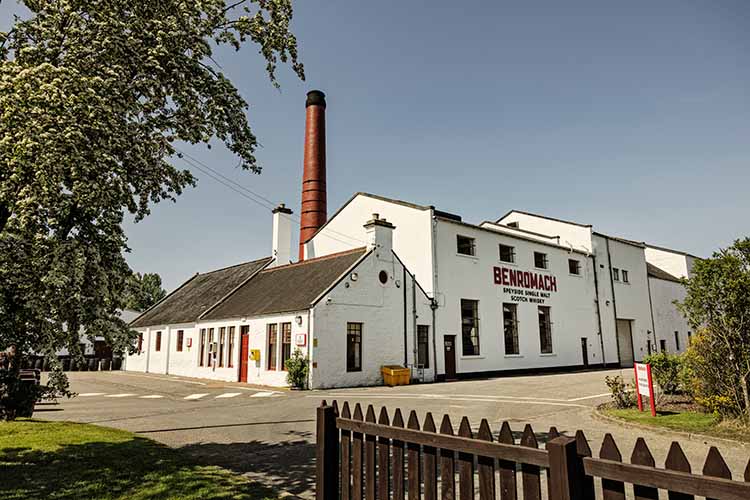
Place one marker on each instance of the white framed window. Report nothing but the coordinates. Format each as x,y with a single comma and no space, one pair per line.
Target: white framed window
510,329
540,260
470,327
545,330
625,276
574,267
615,274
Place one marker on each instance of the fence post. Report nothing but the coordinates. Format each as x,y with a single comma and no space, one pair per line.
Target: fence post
566,470
327,454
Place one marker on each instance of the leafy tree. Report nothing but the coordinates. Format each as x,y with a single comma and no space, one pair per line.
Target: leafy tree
718,306
93,96
143,291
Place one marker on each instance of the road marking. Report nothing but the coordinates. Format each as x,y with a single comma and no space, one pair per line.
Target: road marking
454,398
591,397
228,395
87,394
152,396
263,394
125,395
167,379
195,396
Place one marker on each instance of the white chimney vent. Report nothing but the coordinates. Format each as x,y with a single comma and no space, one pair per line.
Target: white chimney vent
282,236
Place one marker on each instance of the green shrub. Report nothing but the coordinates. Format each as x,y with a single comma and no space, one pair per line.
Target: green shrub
622,396
17,397
296,370
665,369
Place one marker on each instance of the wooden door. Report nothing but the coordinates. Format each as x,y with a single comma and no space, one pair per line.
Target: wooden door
244,352
449,350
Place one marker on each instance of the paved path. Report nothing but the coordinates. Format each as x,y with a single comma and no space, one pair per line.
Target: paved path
268,434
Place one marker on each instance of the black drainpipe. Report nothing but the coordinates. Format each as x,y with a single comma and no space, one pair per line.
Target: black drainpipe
598,310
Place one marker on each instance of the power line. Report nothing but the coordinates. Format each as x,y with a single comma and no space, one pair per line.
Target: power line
229,183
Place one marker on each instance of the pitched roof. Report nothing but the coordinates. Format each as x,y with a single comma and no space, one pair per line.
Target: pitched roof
198,294
542,217
657,272
288,288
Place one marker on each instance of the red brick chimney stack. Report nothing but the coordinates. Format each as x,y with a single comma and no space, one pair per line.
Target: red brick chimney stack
314,207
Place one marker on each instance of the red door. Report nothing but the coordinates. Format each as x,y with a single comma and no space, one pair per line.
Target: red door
244,352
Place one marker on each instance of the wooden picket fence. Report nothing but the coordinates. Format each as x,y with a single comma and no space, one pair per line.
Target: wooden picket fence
361,456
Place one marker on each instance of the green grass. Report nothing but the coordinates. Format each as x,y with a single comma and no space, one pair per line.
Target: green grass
687,421
63,460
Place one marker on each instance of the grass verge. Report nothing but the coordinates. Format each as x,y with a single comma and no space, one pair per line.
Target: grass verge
683,421
64,460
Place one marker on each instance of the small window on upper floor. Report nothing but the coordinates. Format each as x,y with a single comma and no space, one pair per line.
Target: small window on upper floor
465,245
574,266
512,224
615,274
507,253
540,260
625,276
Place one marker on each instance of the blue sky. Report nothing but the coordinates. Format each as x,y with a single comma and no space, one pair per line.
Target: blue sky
632,116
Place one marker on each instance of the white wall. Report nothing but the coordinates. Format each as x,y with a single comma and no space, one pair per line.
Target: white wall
411,238
675,263
572,305
380,307
579,236
630,300
667,319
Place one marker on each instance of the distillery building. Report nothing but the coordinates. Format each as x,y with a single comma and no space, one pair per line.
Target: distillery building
388,282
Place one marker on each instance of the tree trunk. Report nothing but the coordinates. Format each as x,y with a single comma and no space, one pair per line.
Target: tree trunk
746,396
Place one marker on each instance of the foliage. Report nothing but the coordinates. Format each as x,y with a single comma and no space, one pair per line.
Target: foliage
143,291
679,421
93,97
296,370
65,460
622,395
666,369
717,305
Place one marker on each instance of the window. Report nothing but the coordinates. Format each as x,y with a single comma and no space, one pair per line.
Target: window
202,351
677,340
230,354
465,245
625,276
180,339
648,347
507,253
574,266
510,329
512,224
286,343
423,345
545,330
158,341
663,345
272,331
540,260
354,347
211,347
140,343
222,339
470,327
615,274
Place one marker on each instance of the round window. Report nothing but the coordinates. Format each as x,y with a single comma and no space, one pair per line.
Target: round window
383,277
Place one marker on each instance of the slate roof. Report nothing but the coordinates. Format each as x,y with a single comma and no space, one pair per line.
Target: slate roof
288,288
657,272
198,294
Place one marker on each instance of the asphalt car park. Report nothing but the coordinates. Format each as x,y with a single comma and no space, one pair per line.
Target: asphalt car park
269,433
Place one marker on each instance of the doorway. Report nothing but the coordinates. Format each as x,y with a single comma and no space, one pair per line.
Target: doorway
585,351
449,352
244,351
625,342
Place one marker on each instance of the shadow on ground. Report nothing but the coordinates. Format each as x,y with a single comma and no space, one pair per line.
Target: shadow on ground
289,466
72,461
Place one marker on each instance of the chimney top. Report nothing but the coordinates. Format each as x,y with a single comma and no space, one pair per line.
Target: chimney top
377,221
283,209
315,98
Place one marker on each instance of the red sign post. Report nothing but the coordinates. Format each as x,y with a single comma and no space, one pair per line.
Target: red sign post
644,386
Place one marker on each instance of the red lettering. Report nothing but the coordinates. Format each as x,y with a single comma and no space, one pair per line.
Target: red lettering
534,282
553,283
505,276
546,282
513,278
526,279
497,272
